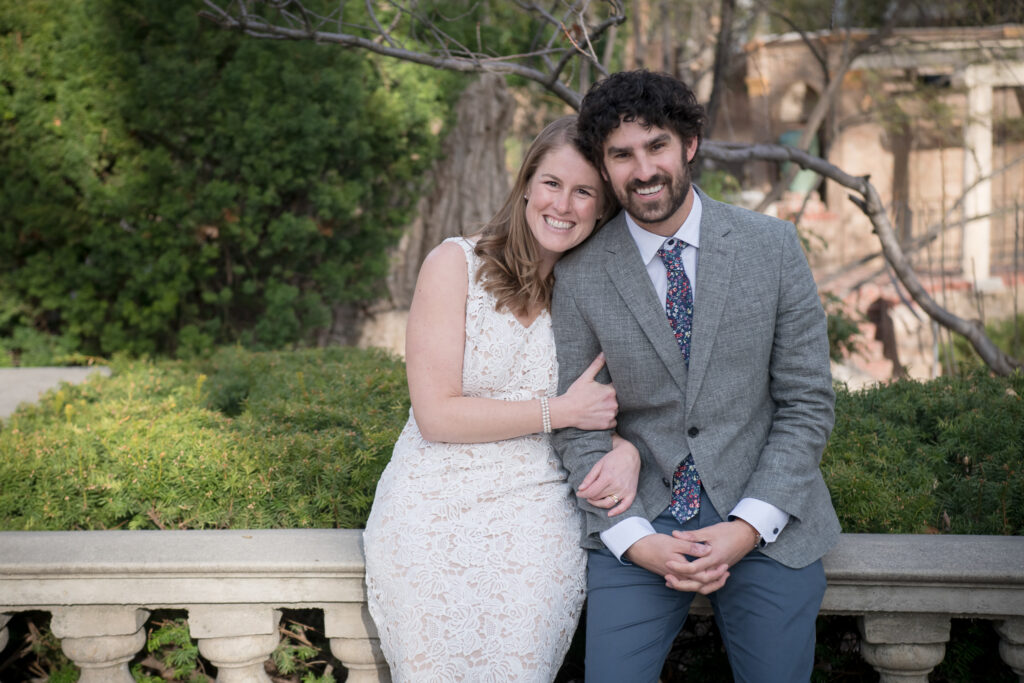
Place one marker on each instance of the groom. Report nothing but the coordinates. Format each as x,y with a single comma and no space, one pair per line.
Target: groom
715,339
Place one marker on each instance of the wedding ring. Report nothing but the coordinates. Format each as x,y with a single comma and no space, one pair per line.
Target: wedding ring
615,499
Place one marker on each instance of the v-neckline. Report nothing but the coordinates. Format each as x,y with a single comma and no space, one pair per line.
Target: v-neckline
533,322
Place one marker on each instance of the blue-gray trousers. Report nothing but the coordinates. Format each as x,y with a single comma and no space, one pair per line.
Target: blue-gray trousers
766,614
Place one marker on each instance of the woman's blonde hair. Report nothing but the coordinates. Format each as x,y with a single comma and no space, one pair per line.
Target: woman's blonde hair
511,258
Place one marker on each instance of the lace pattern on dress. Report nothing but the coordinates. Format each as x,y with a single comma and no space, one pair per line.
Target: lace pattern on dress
473,565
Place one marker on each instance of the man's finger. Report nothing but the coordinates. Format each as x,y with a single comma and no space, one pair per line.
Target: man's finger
691,549
691,585
707,589
690,536
592,476
696,567
622,506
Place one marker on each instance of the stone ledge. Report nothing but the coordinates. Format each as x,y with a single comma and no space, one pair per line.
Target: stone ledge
980,576
228,551
101,585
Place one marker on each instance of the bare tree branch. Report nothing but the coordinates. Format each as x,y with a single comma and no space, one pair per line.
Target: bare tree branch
292,20
385,34
870,203
851,51
934,231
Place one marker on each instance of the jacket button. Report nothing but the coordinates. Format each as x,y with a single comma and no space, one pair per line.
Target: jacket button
693,432
665,482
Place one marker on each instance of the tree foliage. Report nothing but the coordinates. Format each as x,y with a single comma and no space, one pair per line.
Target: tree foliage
168,185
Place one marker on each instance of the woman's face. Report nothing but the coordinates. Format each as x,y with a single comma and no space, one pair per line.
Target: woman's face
563,201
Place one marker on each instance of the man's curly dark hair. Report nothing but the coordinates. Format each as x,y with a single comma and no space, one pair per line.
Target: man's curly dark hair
651,99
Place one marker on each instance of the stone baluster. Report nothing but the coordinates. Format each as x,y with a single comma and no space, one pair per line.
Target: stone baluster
100,640
4,635
354,641
904,648
1011,644
237,639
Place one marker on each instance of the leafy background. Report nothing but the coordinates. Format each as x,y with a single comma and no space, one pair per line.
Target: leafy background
169,185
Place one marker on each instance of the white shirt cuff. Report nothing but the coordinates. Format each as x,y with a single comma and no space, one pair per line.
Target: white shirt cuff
765,517
620,537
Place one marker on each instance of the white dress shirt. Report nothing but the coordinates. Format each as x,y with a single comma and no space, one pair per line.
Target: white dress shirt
765,517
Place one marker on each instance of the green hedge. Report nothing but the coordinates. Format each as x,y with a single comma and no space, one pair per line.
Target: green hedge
244,440
930,457
298,439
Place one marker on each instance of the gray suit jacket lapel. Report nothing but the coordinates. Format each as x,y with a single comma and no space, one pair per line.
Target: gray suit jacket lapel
628,273
714,272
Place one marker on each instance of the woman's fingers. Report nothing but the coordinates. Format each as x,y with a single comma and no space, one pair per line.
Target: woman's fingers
595,367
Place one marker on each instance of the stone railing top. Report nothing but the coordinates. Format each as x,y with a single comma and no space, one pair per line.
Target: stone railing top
858,557
258,551
936,559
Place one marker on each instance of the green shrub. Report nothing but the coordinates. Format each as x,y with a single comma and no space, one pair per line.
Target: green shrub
928,457
244,440
25,347
169,185
844,335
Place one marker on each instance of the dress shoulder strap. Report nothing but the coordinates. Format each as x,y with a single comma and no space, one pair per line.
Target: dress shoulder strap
471,258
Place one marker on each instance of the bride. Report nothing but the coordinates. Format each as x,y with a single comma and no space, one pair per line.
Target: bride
473,565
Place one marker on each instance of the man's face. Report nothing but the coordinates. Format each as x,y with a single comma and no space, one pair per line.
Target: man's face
647,169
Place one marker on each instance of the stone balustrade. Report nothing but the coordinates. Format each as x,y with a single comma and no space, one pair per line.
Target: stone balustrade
100,586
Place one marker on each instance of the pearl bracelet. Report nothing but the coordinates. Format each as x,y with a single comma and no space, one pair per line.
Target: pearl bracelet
545,414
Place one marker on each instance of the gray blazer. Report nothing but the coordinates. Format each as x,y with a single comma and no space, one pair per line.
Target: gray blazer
755,407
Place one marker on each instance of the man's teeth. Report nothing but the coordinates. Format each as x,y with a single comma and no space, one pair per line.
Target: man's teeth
649,190
561,225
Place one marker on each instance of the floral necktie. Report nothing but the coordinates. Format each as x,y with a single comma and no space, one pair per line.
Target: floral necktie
679,310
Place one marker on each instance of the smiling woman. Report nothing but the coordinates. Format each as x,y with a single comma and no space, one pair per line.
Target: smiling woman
508,247
563,203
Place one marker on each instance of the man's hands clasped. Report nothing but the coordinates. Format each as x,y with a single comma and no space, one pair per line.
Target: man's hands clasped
695,561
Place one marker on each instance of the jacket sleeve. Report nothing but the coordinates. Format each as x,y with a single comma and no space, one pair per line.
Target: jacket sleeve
800,386
577,345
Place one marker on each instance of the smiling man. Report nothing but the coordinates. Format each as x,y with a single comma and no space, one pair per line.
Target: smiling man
716,342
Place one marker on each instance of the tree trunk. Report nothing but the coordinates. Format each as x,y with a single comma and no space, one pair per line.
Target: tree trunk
470,182
467,186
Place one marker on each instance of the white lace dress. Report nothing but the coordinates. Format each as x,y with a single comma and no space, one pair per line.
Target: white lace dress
473,565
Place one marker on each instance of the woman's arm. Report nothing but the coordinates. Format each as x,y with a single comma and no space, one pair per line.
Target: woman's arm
434,348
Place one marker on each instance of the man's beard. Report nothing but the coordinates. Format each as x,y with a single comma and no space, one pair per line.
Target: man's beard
645,212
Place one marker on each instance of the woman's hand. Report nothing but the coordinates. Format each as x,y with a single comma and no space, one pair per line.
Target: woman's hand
611,483
587,404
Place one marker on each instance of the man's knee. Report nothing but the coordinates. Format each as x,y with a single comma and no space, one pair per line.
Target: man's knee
767,621
632,619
